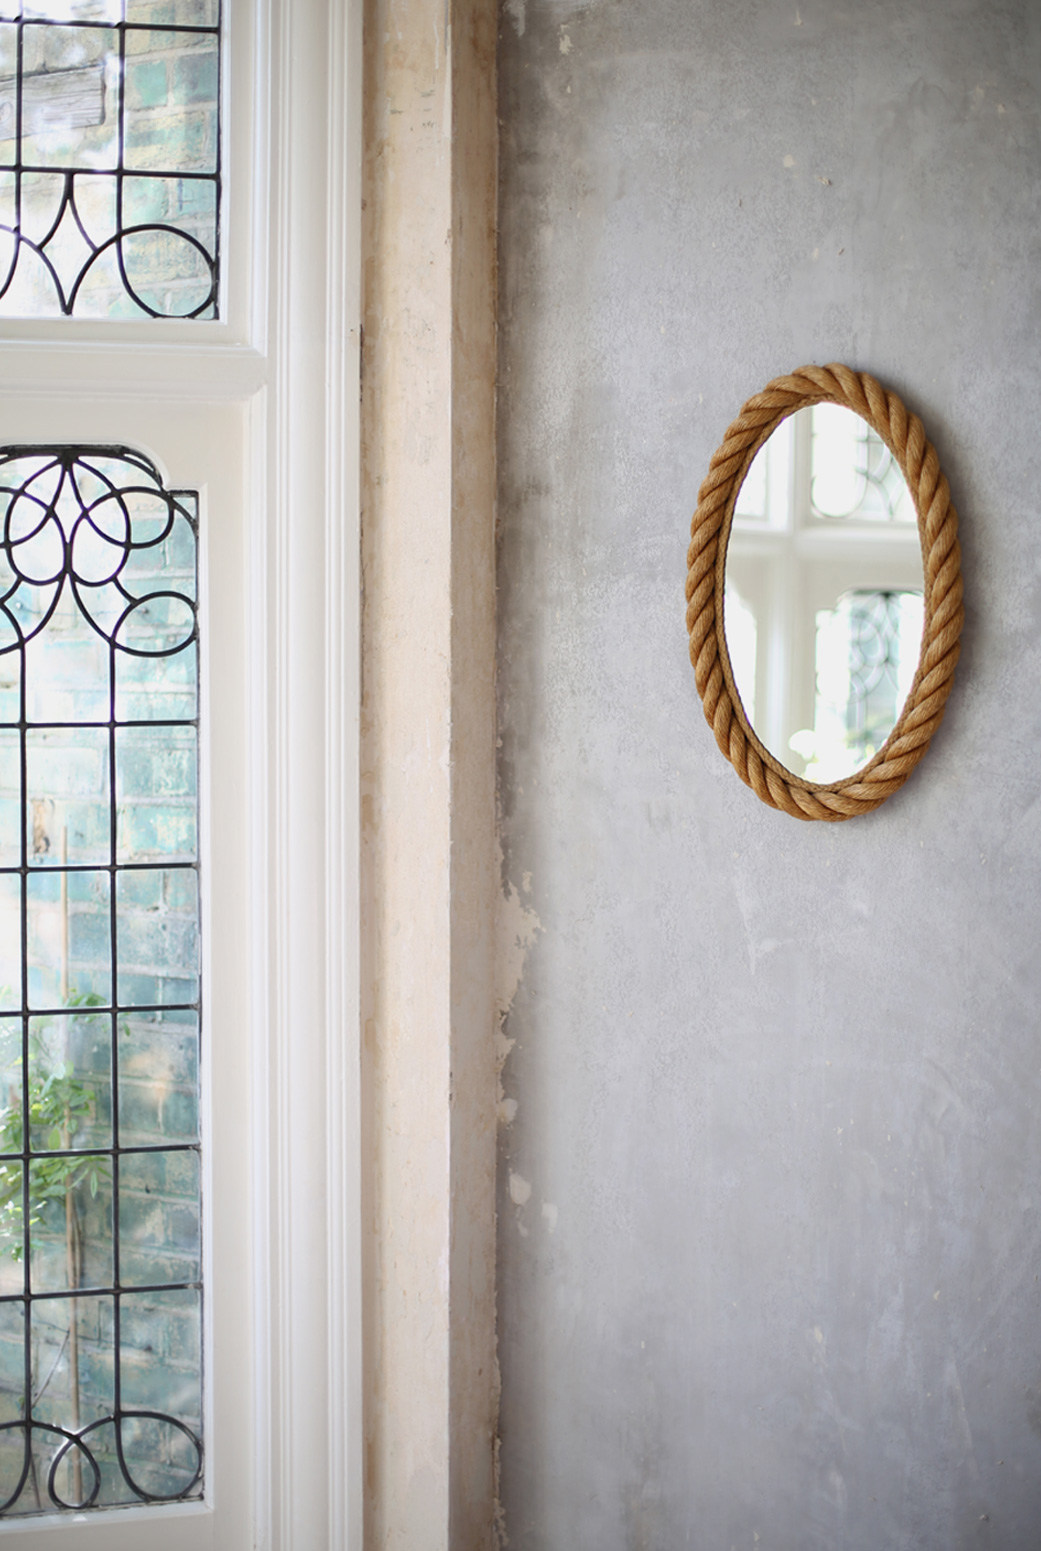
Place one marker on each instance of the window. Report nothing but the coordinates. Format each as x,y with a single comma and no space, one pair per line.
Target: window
110,158
101,1317
245,417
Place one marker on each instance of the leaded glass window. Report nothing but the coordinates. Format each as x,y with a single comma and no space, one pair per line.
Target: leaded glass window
100,1219
110,158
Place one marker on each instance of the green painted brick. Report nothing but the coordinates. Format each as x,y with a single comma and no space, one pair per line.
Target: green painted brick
139,890
45,887
142,1329
182,1338
96,1375
141,1219
146,199
89,828
180,1115
158,1054
159,764
195,77
138,990
181,890
174,989
88,888
144,1174
146,83
154,1265
182,1228
182,1174
163,940
89,937
140,1109
156,830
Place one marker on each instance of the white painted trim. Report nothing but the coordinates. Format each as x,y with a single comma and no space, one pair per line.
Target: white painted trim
342,796
170,373
305,651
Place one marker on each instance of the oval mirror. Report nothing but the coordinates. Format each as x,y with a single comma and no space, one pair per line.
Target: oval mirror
824,597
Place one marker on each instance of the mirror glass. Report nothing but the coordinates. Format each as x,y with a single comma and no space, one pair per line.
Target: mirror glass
824,603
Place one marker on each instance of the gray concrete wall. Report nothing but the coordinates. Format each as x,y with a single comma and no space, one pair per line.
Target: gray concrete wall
769,1195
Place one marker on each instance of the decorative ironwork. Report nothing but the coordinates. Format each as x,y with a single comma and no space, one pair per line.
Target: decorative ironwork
110,193
94,549
876,489
878,651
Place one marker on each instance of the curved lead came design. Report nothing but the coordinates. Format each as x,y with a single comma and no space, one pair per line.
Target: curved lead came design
100,1248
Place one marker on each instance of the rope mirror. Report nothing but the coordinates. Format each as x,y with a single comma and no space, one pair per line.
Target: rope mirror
903,434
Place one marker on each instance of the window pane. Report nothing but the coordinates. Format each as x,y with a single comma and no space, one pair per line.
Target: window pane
110,159
100,1205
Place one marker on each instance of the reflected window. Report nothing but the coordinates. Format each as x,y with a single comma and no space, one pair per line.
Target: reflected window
766,492
110,158
866,658
853,474
741,632
823,595
100,1249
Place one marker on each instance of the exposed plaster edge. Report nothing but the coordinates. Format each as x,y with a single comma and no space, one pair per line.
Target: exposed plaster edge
517,926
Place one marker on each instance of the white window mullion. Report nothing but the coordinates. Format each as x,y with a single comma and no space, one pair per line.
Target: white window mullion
309,708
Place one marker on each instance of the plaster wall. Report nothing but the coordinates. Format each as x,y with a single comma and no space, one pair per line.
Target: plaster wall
770,1167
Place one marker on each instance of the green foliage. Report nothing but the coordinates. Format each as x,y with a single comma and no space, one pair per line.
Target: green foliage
58,1103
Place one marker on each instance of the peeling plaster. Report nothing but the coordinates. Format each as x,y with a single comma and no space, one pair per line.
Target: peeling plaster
516,927
520,1190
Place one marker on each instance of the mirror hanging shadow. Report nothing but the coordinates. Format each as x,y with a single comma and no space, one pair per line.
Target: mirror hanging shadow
824,593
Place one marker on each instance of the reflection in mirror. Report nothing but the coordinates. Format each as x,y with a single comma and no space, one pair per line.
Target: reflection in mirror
824,604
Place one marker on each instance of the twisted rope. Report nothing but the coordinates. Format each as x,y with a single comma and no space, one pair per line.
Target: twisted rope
941,558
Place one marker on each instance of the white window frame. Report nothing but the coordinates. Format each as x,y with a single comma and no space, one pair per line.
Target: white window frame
284,365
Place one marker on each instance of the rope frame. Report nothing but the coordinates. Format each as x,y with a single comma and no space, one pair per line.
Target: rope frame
710,528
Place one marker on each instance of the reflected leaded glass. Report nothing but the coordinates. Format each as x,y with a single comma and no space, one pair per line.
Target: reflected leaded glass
110,158
867,653
100,1220
853,473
